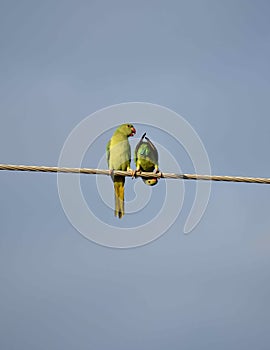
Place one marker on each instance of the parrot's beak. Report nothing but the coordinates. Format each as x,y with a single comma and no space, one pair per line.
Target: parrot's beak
133,131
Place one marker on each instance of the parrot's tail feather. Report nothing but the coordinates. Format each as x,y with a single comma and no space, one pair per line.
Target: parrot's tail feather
119,199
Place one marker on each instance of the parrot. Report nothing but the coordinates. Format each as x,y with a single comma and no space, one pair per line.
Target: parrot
146,159
118,156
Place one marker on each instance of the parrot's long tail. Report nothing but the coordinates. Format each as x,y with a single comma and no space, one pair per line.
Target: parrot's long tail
119,198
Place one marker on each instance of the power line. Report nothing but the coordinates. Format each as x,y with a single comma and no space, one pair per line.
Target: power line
48,169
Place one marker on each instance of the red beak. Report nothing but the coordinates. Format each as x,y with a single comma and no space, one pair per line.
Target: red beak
133,131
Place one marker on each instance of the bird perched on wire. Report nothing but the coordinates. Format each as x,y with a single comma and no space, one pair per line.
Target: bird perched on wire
118,158
146,159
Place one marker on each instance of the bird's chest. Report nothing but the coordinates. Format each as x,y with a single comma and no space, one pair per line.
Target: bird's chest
119,155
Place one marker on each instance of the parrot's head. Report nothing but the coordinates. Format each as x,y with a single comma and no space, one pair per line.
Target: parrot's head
150,182
128,130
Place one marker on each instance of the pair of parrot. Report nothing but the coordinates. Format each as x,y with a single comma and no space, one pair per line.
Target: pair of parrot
119,156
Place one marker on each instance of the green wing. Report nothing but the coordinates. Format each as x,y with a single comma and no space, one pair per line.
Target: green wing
137,148
153,150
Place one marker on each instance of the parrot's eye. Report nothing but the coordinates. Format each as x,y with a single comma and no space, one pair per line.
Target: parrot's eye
129,126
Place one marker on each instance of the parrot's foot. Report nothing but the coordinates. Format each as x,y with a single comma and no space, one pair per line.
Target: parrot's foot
111,171
132,172
158,172
137,171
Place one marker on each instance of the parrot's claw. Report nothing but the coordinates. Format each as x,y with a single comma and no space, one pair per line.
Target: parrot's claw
158,172
111,171
137,171
132,172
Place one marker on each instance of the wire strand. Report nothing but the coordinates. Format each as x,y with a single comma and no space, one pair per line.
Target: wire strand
49,169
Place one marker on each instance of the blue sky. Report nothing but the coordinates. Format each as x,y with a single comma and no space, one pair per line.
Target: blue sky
209,62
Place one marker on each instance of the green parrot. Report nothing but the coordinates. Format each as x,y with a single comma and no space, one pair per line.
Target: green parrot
146,159
118,158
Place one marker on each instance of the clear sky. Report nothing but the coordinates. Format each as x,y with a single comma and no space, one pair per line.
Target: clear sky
61,61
